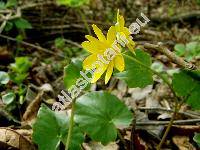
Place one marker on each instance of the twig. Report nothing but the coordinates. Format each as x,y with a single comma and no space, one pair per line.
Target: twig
17,15
84,21
176,18
179,61
73,43
171,111
133,135
32,45
176,122
4,23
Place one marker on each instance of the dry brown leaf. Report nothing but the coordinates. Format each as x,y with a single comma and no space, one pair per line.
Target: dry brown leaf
31,111
182,142
10,139
99,146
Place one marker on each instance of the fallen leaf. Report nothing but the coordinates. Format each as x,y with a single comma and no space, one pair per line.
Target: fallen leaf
10,139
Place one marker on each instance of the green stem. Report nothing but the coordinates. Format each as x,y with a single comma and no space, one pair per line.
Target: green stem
71,124
177,99
176,109
84,21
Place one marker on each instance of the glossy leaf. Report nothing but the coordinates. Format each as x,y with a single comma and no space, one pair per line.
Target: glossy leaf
136,75
4,77
99,114
8,98
72,73
51,128
187,85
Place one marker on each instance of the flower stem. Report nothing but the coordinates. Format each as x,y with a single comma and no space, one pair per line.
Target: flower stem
84,21
176,109
71,124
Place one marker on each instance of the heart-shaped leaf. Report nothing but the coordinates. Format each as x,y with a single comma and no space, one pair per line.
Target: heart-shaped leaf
136,75
100,113
186,84
51,128
183,88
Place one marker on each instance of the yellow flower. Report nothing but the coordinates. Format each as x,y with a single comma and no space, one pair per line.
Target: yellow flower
100,47
124,32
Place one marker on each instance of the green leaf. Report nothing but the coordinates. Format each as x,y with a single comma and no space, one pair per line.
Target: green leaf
194,98
18,78
197,138
136,75
179,49
4,77
186,84
72,72
157,66
11,3
59,43
72,3
2,5
182,83
21,65
51,128
8,98
9,26
191,46
99,114
22,23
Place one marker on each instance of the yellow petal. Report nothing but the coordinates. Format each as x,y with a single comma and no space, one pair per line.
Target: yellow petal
126,31
99,33
98,73
109,72
91,38
119,63
87,63
111,35
121,21
88,46
98,45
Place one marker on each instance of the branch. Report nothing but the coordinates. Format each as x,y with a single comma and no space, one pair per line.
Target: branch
32,45
179,17
178,60
177,122
193,116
